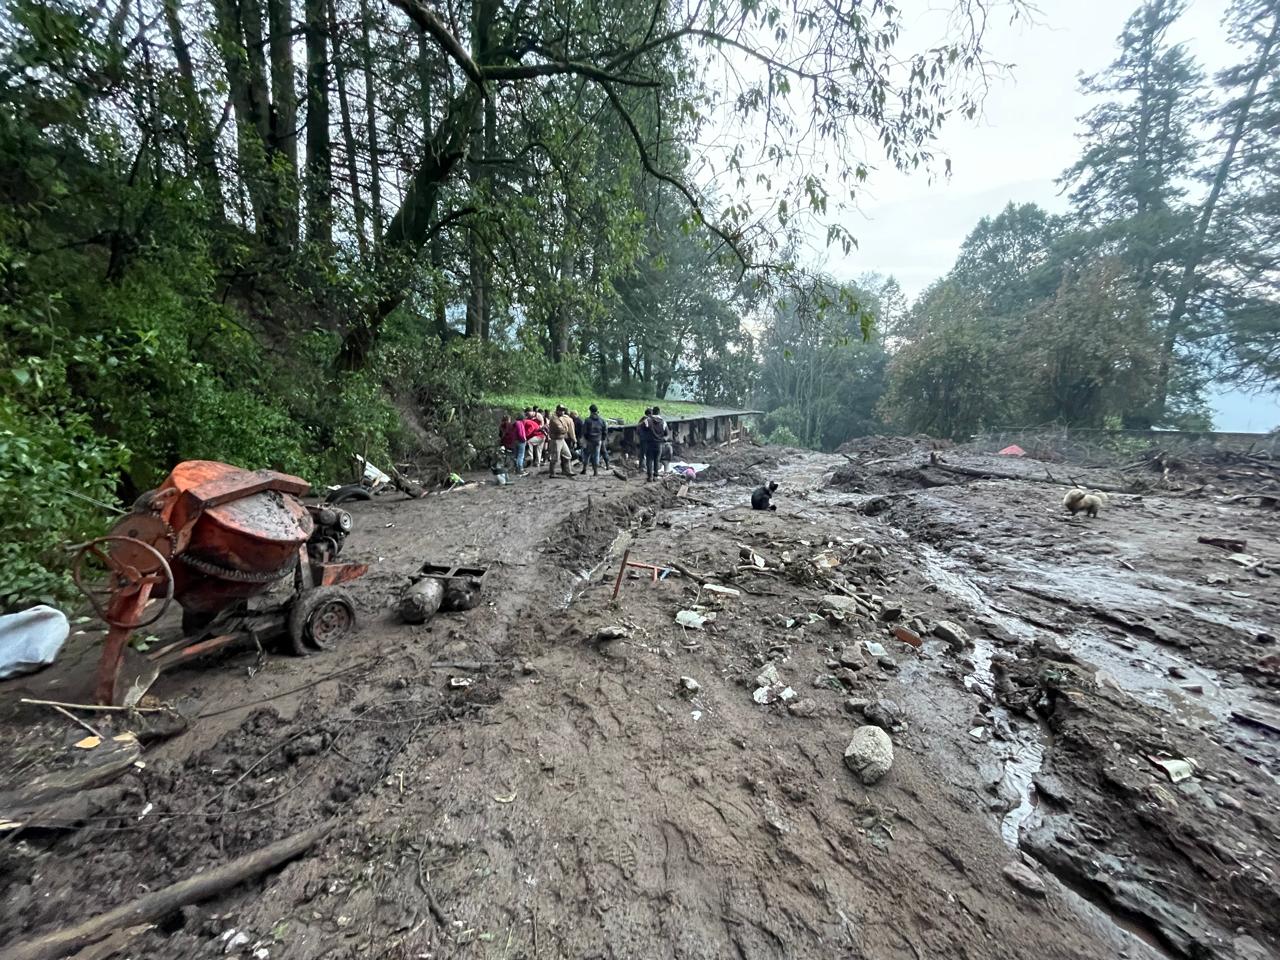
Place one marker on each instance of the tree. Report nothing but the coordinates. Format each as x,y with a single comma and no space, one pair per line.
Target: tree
957,376
1140,154
1232,267
823,364
847,66
1088,353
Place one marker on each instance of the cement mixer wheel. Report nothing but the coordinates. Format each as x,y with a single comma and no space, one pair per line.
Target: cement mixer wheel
319,619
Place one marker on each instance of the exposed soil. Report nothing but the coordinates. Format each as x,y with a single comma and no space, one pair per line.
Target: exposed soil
579,799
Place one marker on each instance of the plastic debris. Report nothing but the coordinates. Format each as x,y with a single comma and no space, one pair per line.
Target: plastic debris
31,639
1175,768
694,620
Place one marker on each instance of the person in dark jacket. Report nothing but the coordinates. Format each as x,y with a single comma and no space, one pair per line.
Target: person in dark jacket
593,433
653,433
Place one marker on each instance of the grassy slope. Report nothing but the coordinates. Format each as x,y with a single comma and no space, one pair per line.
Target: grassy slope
625,410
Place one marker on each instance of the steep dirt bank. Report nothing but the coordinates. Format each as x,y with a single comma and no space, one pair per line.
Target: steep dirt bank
580,800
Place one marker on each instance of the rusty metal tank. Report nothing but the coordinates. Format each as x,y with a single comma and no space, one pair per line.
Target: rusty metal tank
233,533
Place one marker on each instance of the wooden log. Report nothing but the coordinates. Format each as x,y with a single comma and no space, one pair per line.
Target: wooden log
103,764
160,903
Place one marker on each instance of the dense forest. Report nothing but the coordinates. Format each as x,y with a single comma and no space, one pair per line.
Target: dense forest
277,232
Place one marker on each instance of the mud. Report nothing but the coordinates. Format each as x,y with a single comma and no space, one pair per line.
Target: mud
577,800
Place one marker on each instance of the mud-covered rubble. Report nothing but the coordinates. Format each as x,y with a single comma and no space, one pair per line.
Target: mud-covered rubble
1196,860
896,735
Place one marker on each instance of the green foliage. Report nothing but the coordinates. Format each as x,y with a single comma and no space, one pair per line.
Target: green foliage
47,458
611,408
781,436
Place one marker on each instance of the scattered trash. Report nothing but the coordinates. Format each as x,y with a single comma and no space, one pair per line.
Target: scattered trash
1176,769
88,743
420,600
825,561
952,634
1025,879
233,941
694,620
1013,450
689,686
909,637
31,639
696,714
978,733
145,810
458,683
869,754
718,591
751,557
874,649
509,798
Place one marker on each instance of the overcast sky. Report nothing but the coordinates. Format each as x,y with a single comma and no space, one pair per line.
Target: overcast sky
912,229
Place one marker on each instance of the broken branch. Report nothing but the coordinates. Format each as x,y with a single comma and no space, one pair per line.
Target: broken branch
153,906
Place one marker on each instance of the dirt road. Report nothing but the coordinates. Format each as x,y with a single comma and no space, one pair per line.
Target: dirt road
582,798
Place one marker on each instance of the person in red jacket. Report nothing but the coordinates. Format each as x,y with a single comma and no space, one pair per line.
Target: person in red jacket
514,440
535,437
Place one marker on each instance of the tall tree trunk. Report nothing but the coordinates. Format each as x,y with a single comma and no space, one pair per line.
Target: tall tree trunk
1195,253
246,104
319,153
348,132
412,224
196,121
371,122
482,134
435,247
284,116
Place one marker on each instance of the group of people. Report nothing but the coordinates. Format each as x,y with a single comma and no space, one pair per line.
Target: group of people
555,437
561,437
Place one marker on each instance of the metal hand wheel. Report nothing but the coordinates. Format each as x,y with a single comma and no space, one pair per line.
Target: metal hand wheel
130,564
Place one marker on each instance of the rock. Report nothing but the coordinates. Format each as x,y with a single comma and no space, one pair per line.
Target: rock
605,634
890,613
841,607
528,667
689,687
1230,802
978,733
855,705
768,676
803,708
869,754
952,634
1025,879
848,677
884,714
1265,638
851,657
888,663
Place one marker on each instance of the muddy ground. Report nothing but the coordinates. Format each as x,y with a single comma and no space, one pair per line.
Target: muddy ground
581,799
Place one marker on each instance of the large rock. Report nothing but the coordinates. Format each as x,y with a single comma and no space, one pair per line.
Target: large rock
869,754
884,714
952,633
1025,879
